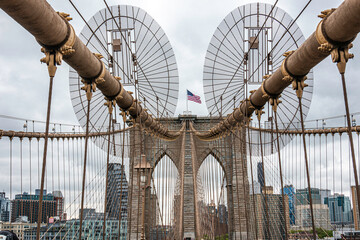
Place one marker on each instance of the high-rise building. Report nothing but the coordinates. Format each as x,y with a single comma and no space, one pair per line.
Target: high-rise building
5,208
28,205
340,209
117,191
260,170
321,216
59,199
320,210
91,229
275,228
323,194
257,188
223,213
289,190
91,214
302,196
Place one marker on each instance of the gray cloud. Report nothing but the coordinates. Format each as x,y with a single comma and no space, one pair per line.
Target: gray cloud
189,26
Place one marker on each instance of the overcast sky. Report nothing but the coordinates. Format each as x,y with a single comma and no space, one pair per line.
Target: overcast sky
189,26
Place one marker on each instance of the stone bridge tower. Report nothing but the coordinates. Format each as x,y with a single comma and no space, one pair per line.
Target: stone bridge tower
187,153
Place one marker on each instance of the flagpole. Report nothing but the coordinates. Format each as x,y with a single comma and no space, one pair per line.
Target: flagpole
187,104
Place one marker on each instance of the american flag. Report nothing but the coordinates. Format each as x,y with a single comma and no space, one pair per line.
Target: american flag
193,97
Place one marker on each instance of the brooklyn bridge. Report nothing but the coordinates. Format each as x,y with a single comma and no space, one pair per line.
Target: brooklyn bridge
106,138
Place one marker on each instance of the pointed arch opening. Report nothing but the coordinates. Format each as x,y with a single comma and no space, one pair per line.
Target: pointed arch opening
164,198
212,197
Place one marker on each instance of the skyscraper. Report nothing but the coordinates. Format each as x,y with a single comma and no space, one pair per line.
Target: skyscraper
28,205
289,190
5,208
302,196
340,209
117,188
321,216
323,194
257,188
260,169
275,228
59,199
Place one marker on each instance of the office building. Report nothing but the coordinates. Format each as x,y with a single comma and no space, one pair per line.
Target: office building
91,229
323,194
91,214
19,228
59,200
28,205
260,170
302,196
340,209
257,188
321,216
223,213
117,191
5,208
274,227
289,191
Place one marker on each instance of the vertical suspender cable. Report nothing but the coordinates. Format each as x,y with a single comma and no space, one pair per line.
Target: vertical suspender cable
243,160
31,203
21,176
280,169
237,185
252,184
350,136
122,173
107,174
267,230
84,167
45,152
307,168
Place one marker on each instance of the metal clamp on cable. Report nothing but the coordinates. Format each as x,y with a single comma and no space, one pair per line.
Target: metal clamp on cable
274,102
267,94
326,43
299,83
340,56
339,50
90,84
258,109
252,105
54,54
110,104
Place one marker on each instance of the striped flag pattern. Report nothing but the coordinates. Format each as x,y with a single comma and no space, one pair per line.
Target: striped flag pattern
193,97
